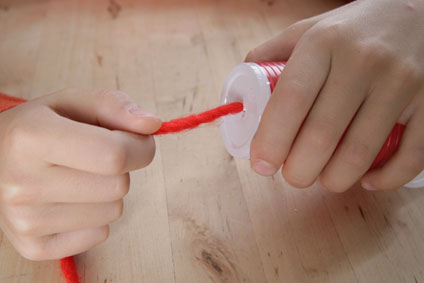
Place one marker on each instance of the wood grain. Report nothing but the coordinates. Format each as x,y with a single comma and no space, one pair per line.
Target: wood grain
196,214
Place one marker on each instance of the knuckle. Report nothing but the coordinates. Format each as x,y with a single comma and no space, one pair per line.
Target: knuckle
17,195
322,136
115,159
356,155
16,137
150,150
20,131
410,70
375,51
295,94
103,234
407,79
25,227
117,210
327,31
121,187
106,232
33,251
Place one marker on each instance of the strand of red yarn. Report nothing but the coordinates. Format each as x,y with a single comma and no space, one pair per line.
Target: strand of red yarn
69,270
193,121
67,264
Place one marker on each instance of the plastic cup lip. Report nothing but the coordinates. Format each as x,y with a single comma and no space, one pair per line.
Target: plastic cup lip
417,182
246,83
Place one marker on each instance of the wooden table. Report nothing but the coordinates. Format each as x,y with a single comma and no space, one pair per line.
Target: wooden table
196,214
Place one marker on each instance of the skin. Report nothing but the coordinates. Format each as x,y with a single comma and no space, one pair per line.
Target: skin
64,168
362,62
66,157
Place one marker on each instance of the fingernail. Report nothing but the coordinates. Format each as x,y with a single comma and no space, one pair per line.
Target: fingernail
264,168
368,187
139,112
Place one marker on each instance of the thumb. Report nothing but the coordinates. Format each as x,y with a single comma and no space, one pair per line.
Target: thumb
281,46
111,109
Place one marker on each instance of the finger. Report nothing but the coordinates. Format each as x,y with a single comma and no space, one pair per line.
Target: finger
66,185
366,135
57,184
335,107
405,164
111,109
280,47
64,244
58,218
61,141
296,90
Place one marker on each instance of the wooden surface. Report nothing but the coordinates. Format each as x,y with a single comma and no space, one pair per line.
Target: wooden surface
196,214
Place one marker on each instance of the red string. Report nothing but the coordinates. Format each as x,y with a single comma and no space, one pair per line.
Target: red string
193,121
67,264
69,270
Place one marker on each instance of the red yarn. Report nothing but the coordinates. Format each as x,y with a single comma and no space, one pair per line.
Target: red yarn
67,264
69,270
193,121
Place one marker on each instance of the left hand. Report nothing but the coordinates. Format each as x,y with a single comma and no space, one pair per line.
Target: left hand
362,62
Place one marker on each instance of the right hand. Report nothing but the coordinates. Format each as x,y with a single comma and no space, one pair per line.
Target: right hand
64,166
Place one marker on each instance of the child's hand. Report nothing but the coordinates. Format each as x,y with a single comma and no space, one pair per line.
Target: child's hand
365,58
64,168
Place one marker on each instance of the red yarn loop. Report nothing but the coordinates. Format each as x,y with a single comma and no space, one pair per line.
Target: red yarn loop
193,121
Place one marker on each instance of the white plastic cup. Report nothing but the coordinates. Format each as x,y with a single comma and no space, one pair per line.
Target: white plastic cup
252,84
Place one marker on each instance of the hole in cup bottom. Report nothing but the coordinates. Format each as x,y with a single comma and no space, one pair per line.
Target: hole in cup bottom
243,113
240,98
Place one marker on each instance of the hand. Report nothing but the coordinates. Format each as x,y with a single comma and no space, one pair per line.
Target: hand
64,168
362,62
